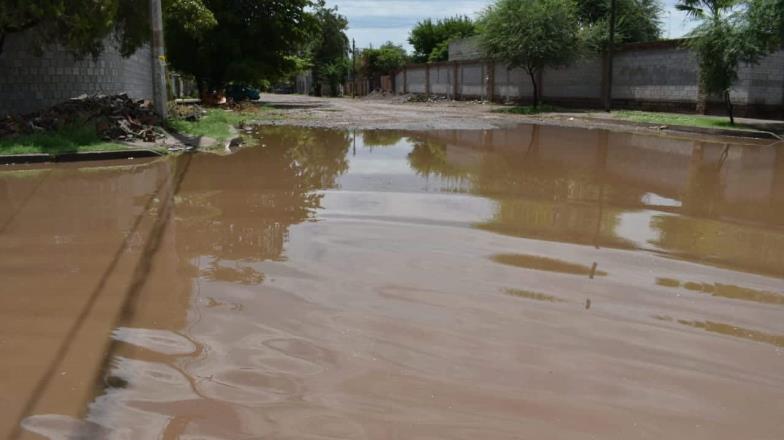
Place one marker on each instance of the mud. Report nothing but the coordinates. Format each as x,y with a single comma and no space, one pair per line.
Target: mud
528,282
394,113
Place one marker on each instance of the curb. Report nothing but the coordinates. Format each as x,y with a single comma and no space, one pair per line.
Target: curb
752,134
78,157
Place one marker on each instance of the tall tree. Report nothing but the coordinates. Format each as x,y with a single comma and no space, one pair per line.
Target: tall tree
60,21
764,23
531,34
382,61
253,41
329,48
82,26
719,44
636,21
430,39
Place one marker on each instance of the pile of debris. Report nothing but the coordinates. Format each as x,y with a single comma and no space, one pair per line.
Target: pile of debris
426,98
115,117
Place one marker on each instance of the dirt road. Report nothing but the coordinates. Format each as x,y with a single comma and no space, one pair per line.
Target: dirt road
395,113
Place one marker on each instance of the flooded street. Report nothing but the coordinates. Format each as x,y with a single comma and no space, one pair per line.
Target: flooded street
522,283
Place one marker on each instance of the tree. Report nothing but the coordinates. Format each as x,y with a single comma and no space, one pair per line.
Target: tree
382,61
65,22
531,34
636,21
329,49
430,39
61,21
719,44
252,41
764,24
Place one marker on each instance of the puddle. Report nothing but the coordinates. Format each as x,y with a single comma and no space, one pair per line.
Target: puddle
341,284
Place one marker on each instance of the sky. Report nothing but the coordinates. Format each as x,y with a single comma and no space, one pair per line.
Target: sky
377,21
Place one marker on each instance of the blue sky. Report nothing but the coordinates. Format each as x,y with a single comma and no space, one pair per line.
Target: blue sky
376,21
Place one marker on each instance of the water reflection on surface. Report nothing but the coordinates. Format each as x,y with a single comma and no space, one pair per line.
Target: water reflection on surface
333,284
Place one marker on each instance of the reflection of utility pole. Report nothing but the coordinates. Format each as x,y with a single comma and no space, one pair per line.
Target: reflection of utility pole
354,68
601,165
160,95
610,55
354,132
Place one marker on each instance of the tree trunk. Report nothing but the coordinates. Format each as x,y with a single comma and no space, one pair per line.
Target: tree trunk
728,101
532,74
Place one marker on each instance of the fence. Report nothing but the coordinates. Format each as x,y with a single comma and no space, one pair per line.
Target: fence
653,76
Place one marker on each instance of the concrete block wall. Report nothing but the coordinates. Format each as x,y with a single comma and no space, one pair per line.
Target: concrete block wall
511,84
441,79
661,75
466,49
666,74
472,80
416,80
400,83
581,80
29,82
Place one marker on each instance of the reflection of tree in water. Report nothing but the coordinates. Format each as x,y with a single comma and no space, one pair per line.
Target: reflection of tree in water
557,198
381,138
749,247
704,192
239,207
429,157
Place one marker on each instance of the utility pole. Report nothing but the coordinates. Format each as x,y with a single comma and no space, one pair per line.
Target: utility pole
610,55
160,95
354,68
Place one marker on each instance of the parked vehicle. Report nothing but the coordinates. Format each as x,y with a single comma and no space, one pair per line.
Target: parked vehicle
242,92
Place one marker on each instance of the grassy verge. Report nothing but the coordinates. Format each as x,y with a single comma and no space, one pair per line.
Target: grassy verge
217,123
528,109
679,119
70,139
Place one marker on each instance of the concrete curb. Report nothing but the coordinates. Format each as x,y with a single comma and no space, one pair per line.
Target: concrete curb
753,134
77,157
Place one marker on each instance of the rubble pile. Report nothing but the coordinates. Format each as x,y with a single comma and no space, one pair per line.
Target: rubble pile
426,98
115,117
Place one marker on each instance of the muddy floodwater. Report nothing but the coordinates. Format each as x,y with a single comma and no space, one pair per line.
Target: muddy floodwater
525,283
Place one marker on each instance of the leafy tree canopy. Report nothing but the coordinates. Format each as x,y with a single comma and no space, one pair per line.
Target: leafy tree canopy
252,41
636,21
329,48
82,26
764,24
430,39
719,44
531,34
382,61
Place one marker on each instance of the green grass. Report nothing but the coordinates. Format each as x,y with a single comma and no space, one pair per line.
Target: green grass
528,109
70,139
678,119
217,123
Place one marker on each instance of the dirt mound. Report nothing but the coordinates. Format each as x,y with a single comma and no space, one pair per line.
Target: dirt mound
116,117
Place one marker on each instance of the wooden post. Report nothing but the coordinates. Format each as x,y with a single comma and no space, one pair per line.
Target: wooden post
405,80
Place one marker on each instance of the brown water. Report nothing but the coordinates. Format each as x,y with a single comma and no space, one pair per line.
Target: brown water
534,283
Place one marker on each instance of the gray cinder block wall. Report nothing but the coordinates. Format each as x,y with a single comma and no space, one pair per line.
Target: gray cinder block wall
661,75
29,82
